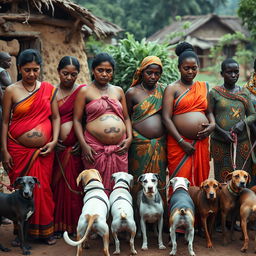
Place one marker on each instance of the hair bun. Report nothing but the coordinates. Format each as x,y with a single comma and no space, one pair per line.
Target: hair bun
182,47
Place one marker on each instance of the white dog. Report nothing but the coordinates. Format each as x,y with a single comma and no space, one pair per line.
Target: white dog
94,212
121,209
150,206
182,211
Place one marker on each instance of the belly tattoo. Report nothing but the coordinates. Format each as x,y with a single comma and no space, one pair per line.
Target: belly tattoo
103,118
112,130
34,134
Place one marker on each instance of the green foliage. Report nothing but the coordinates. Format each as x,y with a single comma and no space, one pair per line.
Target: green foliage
248,14
143,18
129,54
94,46
242,55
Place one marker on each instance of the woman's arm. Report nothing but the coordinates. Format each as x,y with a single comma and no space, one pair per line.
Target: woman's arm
209,128
129,96
87,151
7,105
55,118
167,113
125,144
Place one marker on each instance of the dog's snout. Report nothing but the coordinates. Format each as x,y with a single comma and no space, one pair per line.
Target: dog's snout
211,195
242,184
26,194
150,188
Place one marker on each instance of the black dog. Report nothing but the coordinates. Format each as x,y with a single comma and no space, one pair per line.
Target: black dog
18,207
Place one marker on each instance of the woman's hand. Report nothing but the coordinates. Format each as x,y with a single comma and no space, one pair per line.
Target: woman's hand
87,153
7,161
228,137
187,147
60,146
208,129
48,148
76,149
238,127
124,146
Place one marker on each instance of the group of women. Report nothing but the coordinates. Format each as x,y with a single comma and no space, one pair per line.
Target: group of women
54,132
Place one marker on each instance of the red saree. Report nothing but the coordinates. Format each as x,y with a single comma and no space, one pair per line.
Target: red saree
196,167
34,111
67,196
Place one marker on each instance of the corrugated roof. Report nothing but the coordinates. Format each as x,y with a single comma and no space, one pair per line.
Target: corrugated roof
91,23
195,22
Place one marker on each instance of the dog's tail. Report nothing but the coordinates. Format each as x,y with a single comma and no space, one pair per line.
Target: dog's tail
123,215
90,220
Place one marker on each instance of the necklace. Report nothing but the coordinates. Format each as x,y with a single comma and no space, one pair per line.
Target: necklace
62,97
102,92
149,92
30,92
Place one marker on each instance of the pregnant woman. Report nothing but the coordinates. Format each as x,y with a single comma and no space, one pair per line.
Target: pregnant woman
108,132
188,120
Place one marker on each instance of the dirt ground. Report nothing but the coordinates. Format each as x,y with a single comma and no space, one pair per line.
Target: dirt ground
61,248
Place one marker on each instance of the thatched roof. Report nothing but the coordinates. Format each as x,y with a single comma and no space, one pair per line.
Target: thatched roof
233,24
90,23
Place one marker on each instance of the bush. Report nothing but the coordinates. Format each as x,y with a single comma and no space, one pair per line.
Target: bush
128,55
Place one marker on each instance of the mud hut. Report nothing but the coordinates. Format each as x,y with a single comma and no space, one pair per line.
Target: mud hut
54,27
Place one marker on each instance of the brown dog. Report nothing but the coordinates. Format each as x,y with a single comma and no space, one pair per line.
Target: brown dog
247,213
229,198
206,200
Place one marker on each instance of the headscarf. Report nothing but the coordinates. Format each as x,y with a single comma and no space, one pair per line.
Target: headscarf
149,60
251,84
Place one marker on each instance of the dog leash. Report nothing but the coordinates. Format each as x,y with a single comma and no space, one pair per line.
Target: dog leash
233,153
250,152
63,174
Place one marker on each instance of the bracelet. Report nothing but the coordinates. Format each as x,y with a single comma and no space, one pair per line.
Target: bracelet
180,140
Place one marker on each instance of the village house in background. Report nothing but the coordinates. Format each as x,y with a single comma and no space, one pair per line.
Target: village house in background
54,27
203,32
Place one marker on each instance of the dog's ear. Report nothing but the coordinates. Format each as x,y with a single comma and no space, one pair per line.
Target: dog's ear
228,176
187,182
202,185
131,182
140,178
78,179
113,176
249,179
17,182
36,181
158,177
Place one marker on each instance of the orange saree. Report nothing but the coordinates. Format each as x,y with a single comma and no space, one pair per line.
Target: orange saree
196,167
34,112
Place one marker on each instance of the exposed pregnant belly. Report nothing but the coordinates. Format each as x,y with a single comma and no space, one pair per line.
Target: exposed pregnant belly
189,124
151,127
65,130
107,128
37,137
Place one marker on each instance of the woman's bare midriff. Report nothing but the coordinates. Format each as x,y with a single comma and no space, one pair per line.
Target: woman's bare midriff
36,137
65,130
107,128
151,127
189,124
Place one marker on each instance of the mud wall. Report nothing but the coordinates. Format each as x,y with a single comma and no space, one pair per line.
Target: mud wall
53,49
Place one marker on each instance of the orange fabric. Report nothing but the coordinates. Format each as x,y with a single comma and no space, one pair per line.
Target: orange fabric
195,100
23,107
149,60
196,167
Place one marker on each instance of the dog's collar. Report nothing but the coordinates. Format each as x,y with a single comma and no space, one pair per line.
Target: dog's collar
92,181
97,197
234,193
124,181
